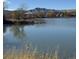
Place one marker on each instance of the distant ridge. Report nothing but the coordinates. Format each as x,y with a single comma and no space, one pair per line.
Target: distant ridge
42,13
42,10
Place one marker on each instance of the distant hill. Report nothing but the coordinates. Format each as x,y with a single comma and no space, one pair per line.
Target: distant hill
42,10
45,12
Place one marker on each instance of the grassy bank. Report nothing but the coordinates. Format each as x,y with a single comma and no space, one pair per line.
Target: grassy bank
31,53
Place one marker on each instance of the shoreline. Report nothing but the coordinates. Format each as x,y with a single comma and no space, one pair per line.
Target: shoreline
28,21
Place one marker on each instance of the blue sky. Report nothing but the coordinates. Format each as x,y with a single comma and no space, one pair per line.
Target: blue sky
50,4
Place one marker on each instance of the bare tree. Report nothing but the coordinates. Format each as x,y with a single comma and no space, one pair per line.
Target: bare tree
4,7
19,13
5,4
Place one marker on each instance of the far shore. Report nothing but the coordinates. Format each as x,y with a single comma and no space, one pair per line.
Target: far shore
28,21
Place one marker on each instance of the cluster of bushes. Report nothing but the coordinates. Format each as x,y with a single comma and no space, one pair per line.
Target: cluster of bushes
19,14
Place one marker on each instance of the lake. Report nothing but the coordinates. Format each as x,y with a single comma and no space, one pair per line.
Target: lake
55,33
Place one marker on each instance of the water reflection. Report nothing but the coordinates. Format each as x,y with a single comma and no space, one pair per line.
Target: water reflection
54,32
18,31
39,21
18,37
4,28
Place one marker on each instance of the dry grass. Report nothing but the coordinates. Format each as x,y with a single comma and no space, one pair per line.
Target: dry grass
30,53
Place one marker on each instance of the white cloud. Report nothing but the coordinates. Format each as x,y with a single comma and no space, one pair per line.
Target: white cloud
10,9
7,1
4,0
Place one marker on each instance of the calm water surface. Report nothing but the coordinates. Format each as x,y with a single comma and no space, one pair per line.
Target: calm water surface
55,32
